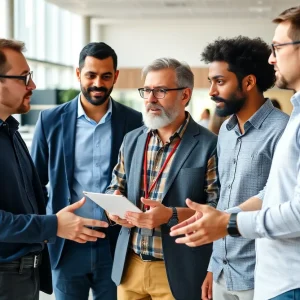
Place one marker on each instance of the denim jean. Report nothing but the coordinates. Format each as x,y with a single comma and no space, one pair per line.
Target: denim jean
290,295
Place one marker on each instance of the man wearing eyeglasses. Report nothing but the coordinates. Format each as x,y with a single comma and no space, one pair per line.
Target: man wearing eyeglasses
25,230
276,227
160,165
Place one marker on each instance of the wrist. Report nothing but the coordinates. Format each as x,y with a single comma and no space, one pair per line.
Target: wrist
168,214
232,227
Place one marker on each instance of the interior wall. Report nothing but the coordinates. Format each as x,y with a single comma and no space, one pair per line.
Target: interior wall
138,43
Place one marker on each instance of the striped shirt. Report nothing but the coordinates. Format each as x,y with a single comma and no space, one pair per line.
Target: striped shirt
157,153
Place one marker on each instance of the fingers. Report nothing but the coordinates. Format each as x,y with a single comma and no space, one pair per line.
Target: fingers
189,221
149,202
194,205
188,229
204,294
74,206
117,192
89,234
193,240
120,221
94,223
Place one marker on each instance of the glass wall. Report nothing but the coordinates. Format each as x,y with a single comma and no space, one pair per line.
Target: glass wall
53,41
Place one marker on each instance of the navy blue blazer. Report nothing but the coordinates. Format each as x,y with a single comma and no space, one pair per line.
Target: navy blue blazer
52,151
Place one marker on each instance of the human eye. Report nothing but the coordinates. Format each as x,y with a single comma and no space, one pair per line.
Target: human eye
107,77
90,75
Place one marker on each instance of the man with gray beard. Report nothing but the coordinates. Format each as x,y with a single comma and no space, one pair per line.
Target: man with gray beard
160,165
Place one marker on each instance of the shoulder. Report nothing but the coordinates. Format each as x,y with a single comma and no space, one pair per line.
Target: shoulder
277,119
57,111
125,109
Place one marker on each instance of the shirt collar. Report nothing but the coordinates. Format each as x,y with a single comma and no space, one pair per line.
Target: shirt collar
180,131
81,112
255,120
296,99
11,122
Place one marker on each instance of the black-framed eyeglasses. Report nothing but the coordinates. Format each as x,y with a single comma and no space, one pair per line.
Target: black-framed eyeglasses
274,46
158,93
26,78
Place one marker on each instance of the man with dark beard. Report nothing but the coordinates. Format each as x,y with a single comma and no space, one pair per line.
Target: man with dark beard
239,74
75,148
160,165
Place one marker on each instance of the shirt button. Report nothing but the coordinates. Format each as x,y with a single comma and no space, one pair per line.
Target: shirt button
234,161
225,262
229,186
45,241
97,145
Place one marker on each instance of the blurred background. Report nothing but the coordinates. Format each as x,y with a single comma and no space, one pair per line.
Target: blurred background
140,31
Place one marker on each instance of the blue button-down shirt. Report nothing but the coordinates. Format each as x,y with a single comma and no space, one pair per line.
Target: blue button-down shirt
277,225
244,165
91,160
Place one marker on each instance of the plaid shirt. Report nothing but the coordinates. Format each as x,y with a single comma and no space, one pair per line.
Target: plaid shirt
157,153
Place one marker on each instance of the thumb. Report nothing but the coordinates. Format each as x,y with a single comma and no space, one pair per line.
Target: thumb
117,192
149,202
74,206
195,206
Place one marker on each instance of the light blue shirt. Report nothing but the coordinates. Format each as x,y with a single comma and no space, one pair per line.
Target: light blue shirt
91,160
277,226
244,163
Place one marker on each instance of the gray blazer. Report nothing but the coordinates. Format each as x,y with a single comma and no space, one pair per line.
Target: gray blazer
186,267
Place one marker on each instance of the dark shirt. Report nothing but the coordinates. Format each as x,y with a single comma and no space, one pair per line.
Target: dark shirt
22,230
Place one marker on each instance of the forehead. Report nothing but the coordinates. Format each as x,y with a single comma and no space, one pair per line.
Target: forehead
281,33
98,65
16,62
219,68
164,77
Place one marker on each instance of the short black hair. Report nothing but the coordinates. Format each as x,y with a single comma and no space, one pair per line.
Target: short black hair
99,51
244,56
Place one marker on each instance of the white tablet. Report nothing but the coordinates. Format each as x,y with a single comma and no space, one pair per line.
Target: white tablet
114,204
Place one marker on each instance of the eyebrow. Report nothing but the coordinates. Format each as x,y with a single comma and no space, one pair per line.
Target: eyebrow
216,77
25,72
156,87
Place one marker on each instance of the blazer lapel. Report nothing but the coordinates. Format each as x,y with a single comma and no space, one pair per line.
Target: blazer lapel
117,127
68,120
137,162
186,146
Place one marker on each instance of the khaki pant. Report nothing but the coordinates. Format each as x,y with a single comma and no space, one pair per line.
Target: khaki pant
144,280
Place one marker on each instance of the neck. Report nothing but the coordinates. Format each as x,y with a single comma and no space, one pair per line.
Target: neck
166,132
94,112
252,105
3,114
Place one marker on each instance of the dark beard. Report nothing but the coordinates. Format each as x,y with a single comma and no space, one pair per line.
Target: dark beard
98,100
232,105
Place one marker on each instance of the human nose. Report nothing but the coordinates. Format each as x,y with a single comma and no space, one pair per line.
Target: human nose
31,86
272,59
213,91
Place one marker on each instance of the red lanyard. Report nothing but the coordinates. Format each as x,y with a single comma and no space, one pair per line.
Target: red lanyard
147,192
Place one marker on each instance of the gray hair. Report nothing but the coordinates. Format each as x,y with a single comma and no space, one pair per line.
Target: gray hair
184,74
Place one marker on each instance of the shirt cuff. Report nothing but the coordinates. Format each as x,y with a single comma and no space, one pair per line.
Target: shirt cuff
233,210
246,222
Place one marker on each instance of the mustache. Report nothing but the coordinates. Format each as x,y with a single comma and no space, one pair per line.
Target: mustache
28,94
219,99
153,106
97,89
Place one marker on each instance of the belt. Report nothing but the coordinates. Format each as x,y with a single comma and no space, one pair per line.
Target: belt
147,258
25,262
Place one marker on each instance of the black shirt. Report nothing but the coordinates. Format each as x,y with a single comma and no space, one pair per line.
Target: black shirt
22,230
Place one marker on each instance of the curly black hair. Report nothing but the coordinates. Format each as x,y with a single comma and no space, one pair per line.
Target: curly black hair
244,56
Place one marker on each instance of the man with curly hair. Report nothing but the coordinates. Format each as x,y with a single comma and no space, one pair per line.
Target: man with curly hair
277,225
239,74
